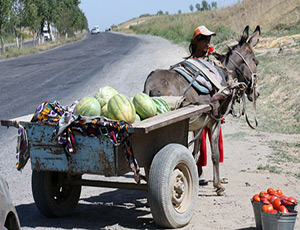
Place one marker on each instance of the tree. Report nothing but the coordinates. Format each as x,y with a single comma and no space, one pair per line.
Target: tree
198,7
214,5
68,17
15,19
5,9
160,12
179,11
191,8
205,5
31,18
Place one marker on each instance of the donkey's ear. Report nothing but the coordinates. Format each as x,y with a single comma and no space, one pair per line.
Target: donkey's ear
255,36
245,35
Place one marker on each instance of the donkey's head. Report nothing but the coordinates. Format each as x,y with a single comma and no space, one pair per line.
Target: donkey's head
242,61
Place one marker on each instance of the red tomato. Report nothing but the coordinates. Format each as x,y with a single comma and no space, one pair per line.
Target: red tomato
277,203
272,198
262,193
264,201
270,190
256,198
266,196
267,208
273,193
283,199
279,192
291,201
283,209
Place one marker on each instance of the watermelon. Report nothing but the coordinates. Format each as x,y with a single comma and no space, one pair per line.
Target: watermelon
104,111
120,107
137,118
144,105
88,106
161,105
104,94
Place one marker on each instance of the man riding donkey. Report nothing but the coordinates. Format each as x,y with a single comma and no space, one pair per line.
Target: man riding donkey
217,80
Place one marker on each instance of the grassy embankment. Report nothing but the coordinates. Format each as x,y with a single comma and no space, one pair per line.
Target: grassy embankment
16,52
278,107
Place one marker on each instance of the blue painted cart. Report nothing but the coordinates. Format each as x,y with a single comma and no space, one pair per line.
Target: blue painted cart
160,147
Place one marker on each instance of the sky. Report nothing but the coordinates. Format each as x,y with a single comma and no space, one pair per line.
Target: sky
105,13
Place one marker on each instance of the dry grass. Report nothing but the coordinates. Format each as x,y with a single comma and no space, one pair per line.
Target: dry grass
278,105
268,14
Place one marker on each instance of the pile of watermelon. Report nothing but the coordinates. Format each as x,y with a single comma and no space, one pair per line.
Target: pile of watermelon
109,103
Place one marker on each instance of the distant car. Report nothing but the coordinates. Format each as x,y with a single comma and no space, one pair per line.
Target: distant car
8,215
95,30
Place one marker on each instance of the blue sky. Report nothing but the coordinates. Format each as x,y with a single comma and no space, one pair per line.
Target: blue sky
108,12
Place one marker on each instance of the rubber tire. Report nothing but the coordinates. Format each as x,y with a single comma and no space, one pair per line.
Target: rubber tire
45,184
160,187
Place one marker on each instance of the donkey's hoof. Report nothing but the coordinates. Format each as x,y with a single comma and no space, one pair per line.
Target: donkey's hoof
220,191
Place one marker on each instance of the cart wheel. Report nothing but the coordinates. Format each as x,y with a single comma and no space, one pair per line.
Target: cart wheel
53,196
172,186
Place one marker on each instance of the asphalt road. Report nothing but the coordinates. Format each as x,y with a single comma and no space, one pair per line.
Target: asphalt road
57,74
66,74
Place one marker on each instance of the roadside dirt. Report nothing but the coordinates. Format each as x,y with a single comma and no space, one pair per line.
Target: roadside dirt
244,151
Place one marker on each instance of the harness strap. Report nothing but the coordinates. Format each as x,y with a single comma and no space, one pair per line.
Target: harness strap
253,84
254,111
191,80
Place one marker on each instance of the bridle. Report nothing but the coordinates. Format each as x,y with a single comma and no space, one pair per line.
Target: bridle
240,73
251,84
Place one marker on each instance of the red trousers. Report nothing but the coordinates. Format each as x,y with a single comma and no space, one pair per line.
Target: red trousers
203,151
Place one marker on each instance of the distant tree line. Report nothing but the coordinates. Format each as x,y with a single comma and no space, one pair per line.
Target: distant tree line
64,15
199,7
204,6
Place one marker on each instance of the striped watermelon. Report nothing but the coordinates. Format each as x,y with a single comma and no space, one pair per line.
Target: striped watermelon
161,105
104,111
88,106
104,94
137,118
144,105
120,107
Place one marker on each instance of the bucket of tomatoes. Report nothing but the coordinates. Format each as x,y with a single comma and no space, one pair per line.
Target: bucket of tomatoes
273,210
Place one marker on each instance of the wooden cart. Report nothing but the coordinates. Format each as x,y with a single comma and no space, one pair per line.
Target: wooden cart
160,147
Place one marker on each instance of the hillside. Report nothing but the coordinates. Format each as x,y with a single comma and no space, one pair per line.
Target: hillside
278,50
270,15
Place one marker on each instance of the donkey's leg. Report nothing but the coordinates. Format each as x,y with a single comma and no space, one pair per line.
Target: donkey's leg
196,150
215,156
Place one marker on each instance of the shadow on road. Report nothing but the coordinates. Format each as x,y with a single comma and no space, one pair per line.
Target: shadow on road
124,208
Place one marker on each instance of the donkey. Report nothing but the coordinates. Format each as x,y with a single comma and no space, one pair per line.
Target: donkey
241,63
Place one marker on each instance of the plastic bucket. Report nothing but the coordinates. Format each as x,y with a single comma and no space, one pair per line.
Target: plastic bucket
278,221
257,213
